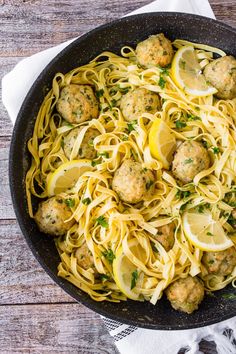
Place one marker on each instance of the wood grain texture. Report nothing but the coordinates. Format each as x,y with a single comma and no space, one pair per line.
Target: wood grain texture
22,279
54,328
36,316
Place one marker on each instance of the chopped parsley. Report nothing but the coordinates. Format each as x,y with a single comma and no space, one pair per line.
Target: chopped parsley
95,163
182,194
104,277
209,234
131,125
104,154
124,89
86,201
216,150
180,124
192,117
109,255
134,278
200,209
162,82
149,184
187,161
70,202
101,220
99,93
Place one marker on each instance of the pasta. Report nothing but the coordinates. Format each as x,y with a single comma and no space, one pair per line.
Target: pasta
104,222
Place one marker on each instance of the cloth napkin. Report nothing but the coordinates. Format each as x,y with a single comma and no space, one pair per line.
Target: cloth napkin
128,339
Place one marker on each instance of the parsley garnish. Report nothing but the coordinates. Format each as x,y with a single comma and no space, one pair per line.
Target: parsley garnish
104,154
134,279
99,93
162,82
192,117
102,221
209,234
180,124
200,209
86,201
216,150
95,163
149,184
190,160
70,202
131,125
104,277
182,194
109,255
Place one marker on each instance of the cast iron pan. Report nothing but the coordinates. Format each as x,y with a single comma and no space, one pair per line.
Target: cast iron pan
112,36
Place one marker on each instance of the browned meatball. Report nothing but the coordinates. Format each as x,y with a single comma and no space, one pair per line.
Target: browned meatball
77,103
155,50
166,236
51,217
132,183
220,263
86,150
138,101
186,294
84,257
221,73
190,159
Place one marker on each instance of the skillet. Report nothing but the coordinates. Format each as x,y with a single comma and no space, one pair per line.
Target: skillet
112,36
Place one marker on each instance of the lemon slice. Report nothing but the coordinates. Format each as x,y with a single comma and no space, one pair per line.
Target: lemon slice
66,175
124,270
162,142
187,73
205,233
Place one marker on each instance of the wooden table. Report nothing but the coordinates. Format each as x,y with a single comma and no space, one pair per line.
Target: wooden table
36,316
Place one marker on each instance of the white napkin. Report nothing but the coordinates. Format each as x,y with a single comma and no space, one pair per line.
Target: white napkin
128,339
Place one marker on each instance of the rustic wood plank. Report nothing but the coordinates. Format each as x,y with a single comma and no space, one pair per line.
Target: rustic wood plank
6,209
22,279
65,328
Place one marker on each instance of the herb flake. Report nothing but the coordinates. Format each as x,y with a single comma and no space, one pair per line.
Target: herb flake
101,220
134,278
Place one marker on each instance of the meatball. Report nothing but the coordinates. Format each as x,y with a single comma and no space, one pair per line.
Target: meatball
221,263
77,103
166,236
185,294
84,257
131,182
190,159
51,217
155,50
86,150
138,101
221,73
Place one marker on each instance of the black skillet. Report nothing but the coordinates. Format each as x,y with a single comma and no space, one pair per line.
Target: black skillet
112,36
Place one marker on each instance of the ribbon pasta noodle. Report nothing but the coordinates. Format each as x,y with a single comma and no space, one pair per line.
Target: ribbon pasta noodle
134,227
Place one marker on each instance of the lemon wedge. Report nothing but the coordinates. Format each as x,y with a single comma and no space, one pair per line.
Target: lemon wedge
162,142
125,272
66,175
187,74
205,233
